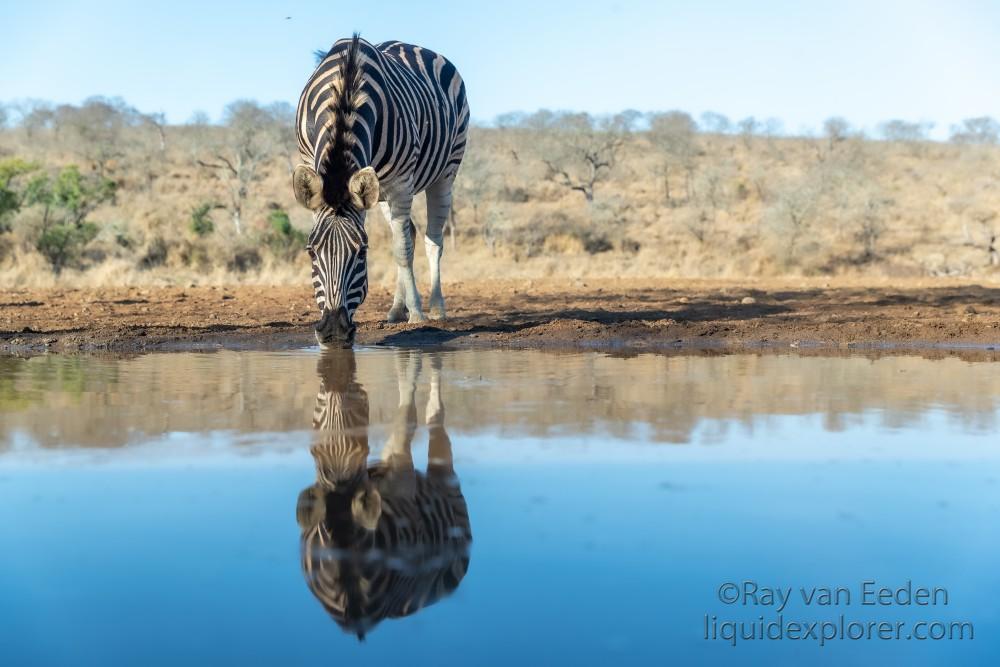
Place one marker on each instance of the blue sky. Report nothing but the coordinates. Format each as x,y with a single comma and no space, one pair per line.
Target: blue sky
797,61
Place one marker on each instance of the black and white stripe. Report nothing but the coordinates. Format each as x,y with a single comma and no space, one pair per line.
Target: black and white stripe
340,422
398,109
410,120
417,551
338,251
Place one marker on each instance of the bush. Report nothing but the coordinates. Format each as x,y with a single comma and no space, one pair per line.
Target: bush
11,169
283,239
61,244
9,205
243,260
195,254
156,253
201,221
79,195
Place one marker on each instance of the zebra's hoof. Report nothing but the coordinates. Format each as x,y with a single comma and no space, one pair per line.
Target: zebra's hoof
416,317
436,309
397,315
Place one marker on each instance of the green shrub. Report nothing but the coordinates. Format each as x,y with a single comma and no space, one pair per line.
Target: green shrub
201,221
11,200
62,244
78,195
284,240
9,205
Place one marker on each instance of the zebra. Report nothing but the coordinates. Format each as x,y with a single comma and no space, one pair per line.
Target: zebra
382,540
376,123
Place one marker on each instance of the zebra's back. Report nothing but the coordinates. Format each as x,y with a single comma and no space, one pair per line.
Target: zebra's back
413,124
417,554
442,121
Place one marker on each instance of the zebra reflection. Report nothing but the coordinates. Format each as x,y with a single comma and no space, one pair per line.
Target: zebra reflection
380,540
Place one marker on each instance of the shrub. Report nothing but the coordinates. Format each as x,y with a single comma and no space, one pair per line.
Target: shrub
201,221
244,260
195,254
283,239
9,205
79,195
11,169
61,244
156,253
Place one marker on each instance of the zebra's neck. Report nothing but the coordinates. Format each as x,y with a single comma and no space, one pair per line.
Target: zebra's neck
377,120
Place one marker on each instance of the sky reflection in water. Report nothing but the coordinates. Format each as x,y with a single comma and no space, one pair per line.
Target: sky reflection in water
154,510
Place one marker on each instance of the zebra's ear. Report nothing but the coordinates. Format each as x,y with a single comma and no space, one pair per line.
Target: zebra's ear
366,507
308,187
311,508
363,187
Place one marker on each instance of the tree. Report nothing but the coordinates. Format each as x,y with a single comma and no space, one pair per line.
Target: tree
79,195
794,210
199,118
749,127
870,226
509,120
62,244
629,120
198,136
582,151
904,131
12,170
715,123
158,121
34,116
94,129
76,196
475,184
773,127
835,129
673,134
249,142
4,115
980,130
283,118
39,191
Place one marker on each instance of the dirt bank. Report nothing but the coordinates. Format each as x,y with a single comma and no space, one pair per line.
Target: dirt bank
640,314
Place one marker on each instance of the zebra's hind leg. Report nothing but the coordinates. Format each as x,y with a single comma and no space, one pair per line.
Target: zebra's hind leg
438,209
406,303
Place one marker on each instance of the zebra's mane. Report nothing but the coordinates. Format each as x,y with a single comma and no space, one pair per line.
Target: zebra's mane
343,103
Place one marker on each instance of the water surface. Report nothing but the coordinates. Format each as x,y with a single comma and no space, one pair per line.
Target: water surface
485,507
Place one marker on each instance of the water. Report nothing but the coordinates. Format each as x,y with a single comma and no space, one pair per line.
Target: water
197,508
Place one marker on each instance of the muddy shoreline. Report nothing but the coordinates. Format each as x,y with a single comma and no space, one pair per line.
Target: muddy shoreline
618,315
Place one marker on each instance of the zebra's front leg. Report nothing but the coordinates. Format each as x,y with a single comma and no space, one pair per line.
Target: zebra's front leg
397,453
438,210
439,457
406,303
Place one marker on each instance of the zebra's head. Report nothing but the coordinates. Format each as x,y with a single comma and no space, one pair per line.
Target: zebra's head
338,250
343,492
337,184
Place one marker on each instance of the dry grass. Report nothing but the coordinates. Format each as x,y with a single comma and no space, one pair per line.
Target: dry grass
741,207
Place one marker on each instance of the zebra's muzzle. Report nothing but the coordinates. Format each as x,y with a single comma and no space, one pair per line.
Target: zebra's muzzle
335,328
